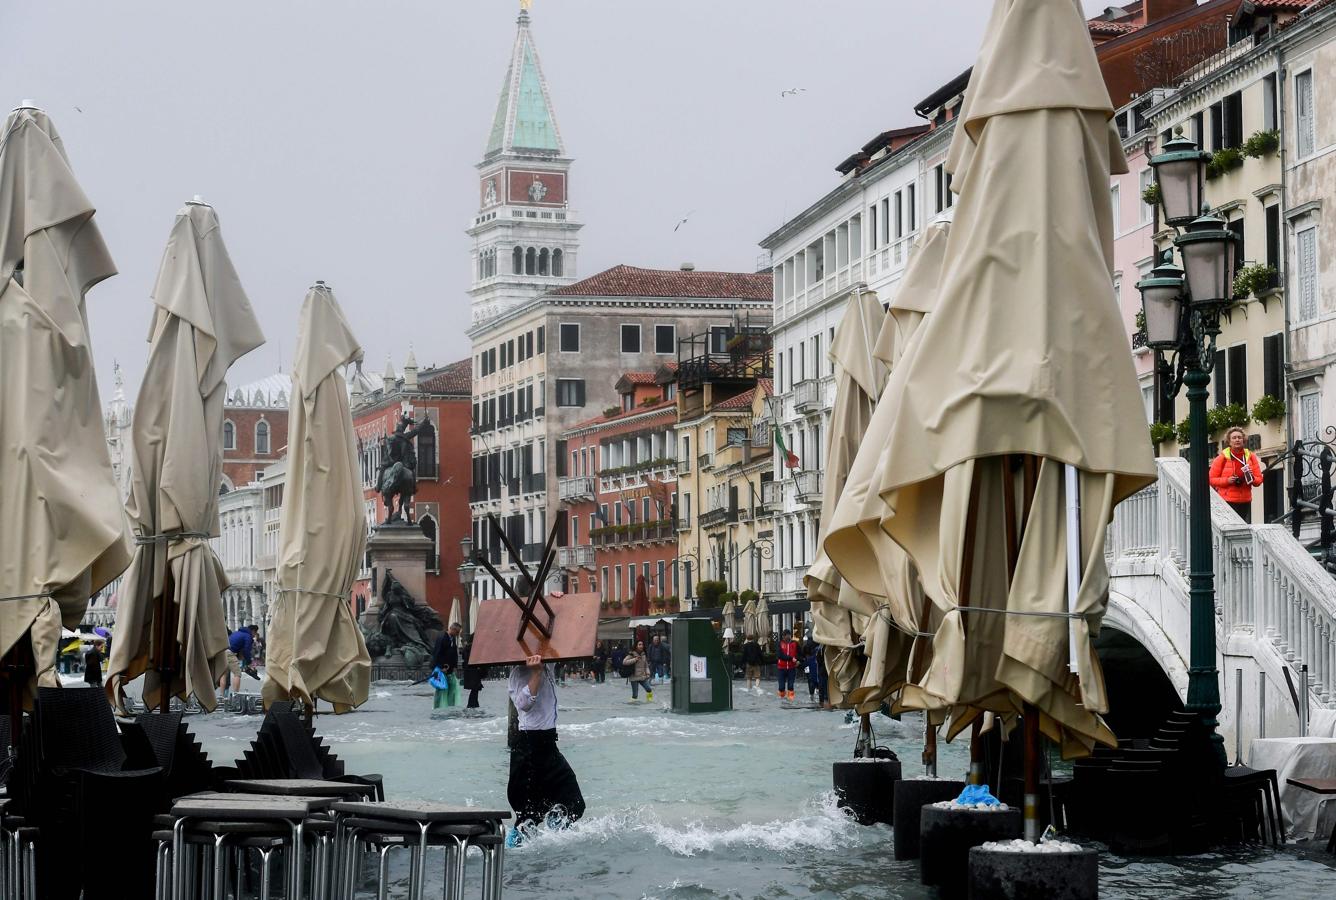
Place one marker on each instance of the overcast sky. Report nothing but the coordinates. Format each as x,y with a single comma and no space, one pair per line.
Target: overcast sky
337,139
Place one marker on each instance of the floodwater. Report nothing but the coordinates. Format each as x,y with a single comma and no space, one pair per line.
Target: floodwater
734,805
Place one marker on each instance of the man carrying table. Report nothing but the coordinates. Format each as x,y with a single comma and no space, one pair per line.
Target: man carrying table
542,784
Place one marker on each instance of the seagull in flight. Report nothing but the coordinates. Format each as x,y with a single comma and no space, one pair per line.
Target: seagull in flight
792,92
683,220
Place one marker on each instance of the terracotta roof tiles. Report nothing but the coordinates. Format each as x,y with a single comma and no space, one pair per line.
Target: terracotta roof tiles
456,378
630,281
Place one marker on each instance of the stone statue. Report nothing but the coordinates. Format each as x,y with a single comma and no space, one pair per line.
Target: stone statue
398,470
404,625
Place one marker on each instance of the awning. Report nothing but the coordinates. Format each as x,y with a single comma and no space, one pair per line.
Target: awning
714,612
650,621
783,607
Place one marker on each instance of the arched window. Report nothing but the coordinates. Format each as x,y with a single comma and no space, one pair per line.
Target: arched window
542,261
262,436
229,436
558,269
530,261
426,450
518,258
428,526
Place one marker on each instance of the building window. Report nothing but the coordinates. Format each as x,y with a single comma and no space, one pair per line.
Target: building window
939,187
540,339
428,526
1114,208
1273,244
570,392
1305,252
1273,366
426,450
531,261
570,338
1304,120
517,258
665,338
630,338
558,263
913,208
229,436
899,215
1309,417
262,437
872,226
542,261
1146,177
1269,103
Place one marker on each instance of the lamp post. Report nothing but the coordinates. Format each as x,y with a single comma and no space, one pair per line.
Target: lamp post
1182,307
468,572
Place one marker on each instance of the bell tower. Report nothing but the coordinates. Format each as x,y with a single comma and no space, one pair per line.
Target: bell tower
525,238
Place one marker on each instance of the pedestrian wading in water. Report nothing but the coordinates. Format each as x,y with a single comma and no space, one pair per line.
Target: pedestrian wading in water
542,784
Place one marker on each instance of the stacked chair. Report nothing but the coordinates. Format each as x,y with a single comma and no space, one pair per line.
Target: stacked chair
18,841
286,747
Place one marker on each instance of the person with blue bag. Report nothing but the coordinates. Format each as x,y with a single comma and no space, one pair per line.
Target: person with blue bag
444,661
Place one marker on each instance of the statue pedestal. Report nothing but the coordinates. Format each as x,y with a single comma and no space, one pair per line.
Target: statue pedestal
401,549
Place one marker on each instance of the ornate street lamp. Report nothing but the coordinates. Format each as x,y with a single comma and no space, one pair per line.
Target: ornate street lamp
468,572
1182,309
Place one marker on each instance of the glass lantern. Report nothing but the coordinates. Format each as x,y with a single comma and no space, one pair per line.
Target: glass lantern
1180,171
1161,303
1208,248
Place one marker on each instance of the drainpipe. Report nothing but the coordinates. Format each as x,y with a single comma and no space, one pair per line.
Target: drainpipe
1287,366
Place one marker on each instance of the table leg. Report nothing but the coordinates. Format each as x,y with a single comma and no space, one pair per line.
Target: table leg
178,847
265,859
420,885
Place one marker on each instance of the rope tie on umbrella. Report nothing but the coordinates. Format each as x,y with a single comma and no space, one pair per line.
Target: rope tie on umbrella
1024,612
141,539
313,593
46,594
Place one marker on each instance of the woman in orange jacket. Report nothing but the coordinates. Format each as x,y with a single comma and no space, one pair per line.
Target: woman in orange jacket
1235,472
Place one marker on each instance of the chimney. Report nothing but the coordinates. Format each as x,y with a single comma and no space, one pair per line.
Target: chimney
688,267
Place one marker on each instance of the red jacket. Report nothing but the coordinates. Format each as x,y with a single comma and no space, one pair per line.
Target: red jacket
1226,466
789,649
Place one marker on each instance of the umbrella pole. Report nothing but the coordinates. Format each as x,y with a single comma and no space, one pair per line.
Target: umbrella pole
166,622
1029,712
14,674
929,745
966,579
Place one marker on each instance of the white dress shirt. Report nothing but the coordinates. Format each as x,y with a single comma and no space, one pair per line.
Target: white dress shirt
537,710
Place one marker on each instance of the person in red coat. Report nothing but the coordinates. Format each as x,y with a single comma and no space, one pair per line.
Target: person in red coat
786,662
1235,472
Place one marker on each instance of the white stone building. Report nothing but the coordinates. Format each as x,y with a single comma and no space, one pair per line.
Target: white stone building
239,546
858,237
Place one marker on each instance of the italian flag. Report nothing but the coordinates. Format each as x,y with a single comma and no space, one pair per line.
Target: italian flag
790,459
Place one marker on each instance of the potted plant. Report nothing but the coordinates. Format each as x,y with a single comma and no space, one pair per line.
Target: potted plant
1260,143
1151,195
1228,415
1267,409
1224,160
1182,431
1161,432
1253,280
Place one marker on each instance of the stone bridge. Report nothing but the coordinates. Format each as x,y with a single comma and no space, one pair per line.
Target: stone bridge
1275,611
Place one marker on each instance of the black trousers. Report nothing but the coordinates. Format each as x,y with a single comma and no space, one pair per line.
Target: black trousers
473,699
1244,510
541,780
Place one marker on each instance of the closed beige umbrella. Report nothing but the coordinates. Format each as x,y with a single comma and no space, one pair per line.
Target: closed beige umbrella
456,613
170,621
750,626
730,616
764,629
880,586
1023,359
63,536
473,613
315,648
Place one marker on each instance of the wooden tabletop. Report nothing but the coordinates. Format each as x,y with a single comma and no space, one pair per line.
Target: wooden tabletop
1316,785
299,786
421,811
249,806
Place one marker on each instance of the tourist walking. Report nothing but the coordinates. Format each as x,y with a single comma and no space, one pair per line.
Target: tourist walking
817,686
619,660
786,656
240,658
470,677
445,658
600,661
658,660
637,662
752,659
92,660
542,785
1235,472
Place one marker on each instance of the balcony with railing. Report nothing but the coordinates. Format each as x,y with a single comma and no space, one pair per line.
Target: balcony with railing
772,496
535,482
575,557
808,486
576,488
636,474
637,533
684,522
706,461
684,466
722,515
772,581
807,396
763,434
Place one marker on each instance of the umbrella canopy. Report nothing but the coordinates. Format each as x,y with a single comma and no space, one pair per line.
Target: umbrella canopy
1020,368
878,584
473,613
315,648
729,616
456,613
62,534
640,602
749,624
170,619
763,628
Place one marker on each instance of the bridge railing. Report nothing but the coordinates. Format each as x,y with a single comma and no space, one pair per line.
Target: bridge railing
1266,582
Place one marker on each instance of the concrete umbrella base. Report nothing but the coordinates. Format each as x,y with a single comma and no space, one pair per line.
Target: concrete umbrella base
866,787
946,836
910,796
1033,875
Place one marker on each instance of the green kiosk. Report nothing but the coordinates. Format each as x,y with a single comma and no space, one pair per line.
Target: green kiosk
701,678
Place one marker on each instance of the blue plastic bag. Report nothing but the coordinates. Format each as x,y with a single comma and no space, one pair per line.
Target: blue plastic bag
438,679
976,795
